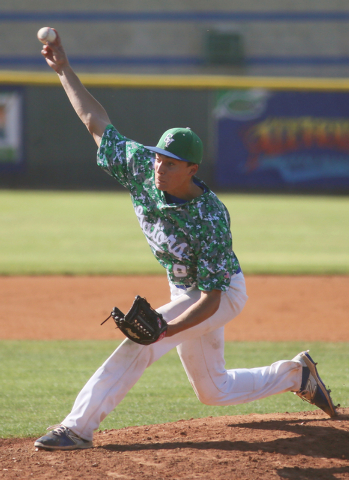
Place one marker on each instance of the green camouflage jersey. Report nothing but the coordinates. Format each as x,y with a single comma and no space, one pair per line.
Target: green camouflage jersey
191,240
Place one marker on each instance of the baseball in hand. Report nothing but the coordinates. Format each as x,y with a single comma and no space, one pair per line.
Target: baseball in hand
46,34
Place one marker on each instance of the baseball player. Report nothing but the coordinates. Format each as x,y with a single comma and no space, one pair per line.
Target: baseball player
188,230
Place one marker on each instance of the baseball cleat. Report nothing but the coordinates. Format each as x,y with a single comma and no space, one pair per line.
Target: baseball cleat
61,438
312,388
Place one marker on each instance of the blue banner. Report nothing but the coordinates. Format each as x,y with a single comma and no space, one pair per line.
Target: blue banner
11,129
273,140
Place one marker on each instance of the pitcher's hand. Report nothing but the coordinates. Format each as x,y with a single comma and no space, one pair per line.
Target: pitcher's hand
55,55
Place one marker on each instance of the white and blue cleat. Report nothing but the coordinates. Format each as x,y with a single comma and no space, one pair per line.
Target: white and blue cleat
61,438
313,389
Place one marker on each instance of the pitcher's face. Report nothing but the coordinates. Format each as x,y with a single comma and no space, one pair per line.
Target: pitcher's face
171,174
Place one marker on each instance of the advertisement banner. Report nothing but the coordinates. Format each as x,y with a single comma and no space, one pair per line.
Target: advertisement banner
282,139
11,130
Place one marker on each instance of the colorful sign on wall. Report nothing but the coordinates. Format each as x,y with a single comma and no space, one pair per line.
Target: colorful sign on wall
273,140
11,129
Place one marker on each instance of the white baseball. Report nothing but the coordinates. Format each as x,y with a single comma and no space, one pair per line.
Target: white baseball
46,34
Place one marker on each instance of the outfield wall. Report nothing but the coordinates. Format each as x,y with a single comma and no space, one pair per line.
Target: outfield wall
57,150
302,145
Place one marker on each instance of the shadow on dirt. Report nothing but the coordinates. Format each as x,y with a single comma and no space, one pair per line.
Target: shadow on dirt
305,439
312,473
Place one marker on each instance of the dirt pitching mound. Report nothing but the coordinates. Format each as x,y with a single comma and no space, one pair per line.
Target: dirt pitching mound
306,446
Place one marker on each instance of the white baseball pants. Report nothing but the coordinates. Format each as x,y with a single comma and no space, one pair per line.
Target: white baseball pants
201,350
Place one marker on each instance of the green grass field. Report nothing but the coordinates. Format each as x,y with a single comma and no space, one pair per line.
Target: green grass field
40,380
98,233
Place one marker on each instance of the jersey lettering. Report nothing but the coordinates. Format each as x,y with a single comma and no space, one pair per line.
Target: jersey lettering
157,237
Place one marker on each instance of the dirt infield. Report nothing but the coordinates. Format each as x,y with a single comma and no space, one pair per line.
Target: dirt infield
66,307
305,445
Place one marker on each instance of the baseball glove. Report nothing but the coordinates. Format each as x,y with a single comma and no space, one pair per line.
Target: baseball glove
142,324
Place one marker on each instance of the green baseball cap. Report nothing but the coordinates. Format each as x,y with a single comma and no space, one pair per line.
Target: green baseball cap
181,144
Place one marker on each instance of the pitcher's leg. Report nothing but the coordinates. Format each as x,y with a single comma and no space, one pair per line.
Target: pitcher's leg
110,383
203,361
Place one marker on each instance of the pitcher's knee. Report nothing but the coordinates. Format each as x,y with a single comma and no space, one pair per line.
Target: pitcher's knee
210,398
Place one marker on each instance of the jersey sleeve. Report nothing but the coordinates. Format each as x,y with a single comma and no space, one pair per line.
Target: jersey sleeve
124,159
